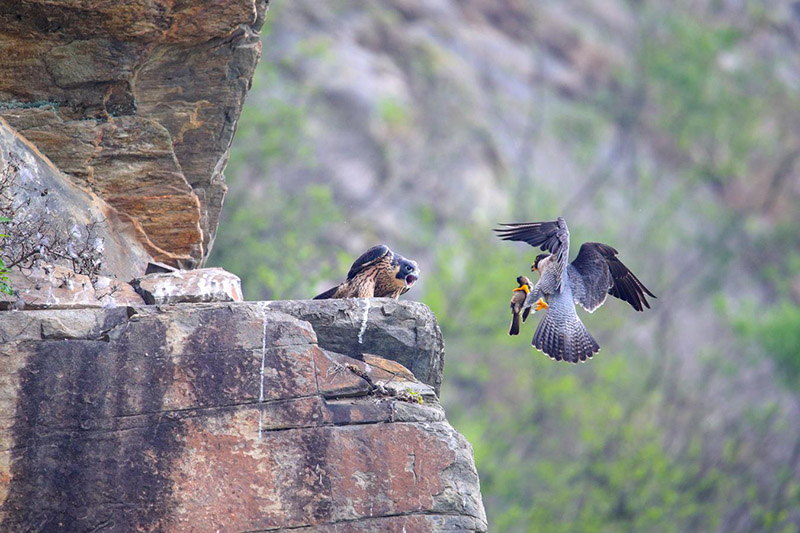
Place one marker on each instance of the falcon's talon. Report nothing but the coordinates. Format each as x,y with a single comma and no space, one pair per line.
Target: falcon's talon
540,304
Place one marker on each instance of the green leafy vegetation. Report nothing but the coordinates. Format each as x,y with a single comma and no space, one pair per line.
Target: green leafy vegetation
274,246
703,101
777,332
5,287
270,235
393,113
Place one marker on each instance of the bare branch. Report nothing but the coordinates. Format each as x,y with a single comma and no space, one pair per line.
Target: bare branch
32,235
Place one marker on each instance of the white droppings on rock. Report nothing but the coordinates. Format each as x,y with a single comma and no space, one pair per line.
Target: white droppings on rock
364,319
51,299
262,306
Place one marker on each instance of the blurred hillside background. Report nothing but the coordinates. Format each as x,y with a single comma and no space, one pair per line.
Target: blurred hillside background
670,130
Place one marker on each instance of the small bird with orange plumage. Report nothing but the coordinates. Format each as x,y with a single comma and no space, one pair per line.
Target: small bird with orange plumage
517,303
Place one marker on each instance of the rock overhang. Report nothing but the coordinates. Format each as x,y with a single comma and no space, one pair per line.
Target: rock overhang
136,102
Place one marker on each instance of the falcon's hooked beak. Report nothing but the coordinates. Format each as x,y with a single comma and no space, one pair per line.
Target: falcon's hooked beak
411,271
408,271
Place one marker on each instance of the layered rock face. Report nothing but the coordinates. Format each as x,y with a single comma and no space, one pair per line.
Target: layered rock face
213,415
136,102
230,417
67,204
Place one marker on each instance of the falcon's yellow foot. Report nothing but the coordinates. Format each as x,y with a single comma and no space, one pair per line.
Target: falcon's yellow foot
524,289
540,304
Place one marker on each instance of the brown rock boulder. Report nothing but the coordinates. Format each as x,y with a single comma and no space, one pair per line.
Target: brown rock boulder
189,286
215,417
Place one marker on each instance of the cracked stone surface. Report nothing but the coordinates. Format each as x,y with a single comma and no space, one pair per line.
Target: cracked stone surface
48,286
403,331
58,287
189,286
136,102
224,416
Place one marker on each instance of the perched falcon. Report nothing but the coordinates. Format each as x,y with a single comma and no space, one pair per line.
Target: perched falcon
378,273
518,304
588,280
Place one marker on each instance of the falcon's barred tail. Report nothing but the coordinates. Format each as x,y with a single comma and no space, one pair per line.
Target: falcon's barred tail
327,294
568,341
514,329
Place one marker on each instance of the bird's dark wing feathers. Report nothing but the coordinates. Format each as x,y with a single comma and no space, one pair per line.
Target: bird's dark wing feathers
369,258
590,277
537,234
626,286
552,236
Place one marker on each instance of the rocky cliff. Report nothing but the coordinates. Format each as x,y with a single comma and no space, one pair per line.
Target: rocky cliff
135,102
206,416
230,417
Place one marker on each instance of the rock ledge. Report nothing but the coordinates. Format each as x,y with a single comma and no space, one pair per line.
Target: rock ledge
234,417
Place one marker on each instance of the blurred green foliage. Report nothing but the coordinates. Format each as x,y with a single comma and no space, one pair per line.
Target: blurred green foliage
274,237
702,103
558,447
275,246
617,444
777,331
393,113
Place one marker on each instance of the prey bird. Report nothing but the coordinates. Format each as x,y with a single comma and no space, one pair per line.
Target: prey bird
588,280
378,273
518,304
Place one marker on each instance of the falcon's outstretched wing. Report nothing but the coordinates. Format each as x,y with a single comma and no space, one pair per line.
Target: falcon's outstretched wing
552,236
600,273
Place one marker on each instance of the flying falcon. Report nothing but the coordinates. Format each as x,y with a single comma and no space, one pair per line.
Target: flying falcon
518,304
378,273
588,280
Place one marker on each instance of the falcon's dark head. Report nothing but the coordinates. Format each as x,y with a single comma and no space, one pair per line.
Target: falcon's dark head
535,265
406,270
